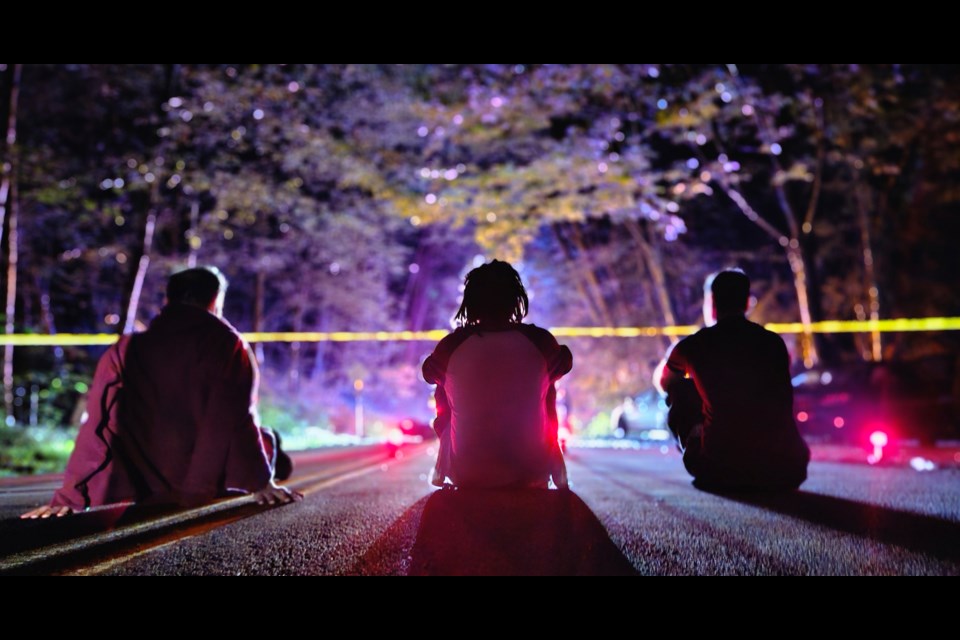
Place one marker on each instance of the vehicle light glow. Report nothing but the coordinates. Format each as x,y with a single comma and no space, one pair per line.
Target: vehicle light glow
879,440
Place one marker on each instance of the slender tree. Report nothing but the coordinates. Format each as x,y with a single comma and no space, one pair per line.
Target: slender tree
8,215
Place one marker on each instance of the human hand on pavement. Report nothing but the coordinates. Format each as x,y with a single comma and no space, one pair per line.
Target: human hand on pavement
274,494
46,512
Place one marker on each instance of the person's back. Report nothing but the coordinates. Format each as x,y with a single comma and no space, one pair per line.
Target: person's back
741,371
747,436
187,389
496,399
171,416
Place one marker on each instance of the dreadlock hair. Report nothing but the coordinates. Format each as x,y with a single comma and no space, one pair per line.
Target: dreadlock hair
493,293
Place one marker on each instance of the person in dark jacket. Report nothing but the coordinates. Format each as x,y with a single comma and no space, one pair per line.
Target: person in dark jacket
172,413
730,397
496,394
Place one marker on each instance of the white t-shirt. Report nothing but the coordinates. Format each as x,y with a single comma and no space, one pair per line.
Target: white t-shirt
496,403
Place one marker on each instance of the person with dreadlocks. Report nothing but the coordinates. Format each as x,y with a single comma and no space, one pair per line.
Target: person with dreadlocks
496,393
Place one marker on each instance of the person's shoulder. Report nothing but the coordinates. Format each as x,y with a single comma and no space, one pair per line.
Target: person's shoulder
222,335
436,364
116,354
534,330
559,357
222,327
770,339
704,333
454,339
766,333
457,335
541,337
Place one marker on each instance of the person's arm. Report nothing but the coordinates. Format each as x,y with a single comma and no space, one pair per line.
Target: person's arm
562,363
434,372
786,379
559,360
442,422
91,457
245,462
435,366
673,369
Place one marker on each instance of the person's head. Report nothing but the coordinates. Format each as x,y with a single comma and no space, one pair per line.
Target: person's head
203,287
493,294
725,294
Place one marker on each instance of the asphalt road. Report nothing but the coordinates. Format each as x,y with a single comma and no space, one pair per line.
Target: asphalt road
630,512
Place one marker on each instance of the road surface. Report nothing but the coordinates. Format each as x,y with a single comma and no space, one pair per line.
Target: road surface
630,512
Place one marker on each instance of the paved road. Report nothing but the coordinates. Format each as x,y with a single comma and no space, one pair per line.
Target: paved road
630,512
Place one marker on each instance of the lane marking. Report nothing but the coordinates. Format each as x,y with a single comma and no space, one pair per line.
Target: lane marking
242,507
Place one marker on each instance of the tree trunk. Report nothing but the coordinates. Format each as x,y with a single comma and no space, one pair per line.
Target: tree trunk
590,276
295,350
143,264
594,311
791,241
128,325
194,232
47,322
416,298
801,278
8,215
258,293
870,276
798,267
654,261
11,302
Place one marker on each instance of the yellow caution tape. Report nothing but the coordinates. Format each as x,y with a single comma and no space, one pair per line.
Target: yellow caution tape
829,326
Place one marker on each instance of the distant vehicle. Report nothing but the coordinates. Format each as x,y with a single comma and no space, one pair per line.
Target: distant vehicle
641,418
855,402
838,405
407,432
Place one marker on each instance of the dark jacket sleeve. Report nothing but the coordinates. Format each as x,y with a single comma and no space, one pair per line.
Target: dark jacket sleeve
559,357
435,366
229,427
89,477
435,372
559,363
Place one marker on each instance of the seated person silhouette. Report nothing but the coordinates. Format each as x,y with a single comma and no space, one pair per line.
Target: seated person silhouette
172,413
496,395
730,397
